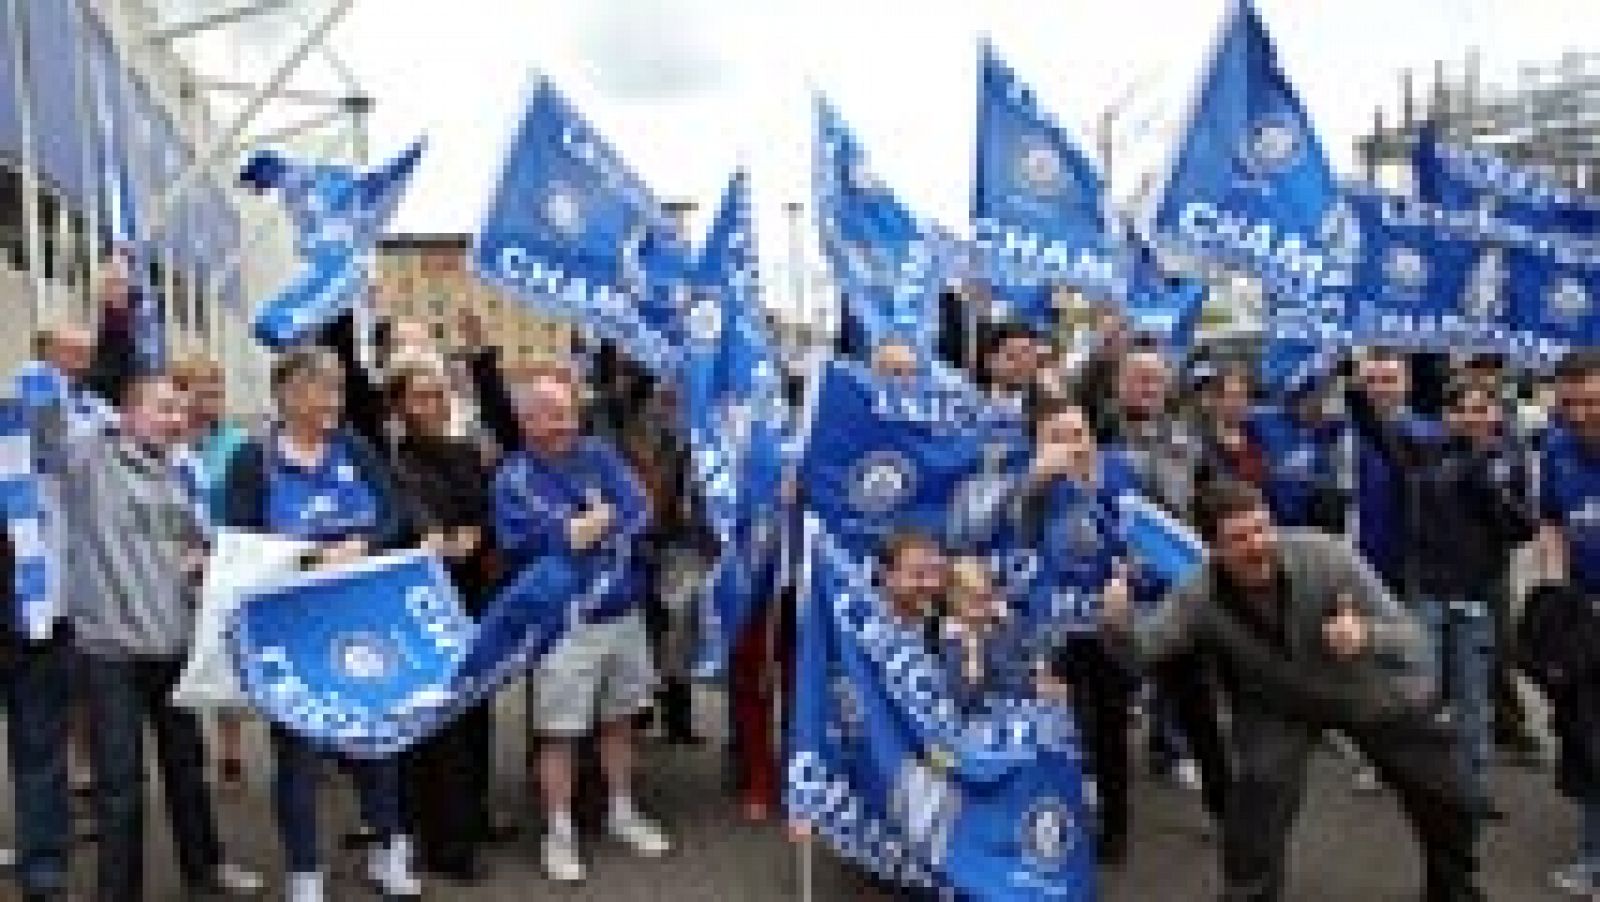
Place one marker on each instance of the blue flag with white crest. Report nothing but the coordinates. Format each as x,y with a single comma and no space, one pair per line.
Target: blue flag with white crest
884,768
372,658
737,419
889,264
339,215
1460,177
1417,285
1251,184
1037,204
572,231
1553,304
882,456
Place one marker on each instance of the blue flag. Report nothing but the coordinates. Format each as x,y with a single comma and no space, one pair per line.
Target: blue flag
881,457
1037,204
737,420
128,246
889,264
1554,305
370,659
1251,184
884,767
339,215
572,231
1465,178
1416,285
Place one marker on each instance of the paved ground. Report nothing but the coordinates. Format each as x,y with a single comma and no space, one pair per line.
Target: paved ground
1348,847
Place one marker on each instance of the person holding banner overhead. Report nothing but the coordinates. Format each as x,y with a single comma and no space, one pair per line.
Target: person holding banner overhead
446,484
310,478
136,543
570,494
1307,639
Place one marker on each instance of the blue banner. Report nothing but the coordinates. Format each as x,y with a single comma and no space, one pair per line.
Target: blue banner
372,658
1166,308
889,264
339,215
1037,204
737,421
1465,178
1554,305
886,770
1251,184
881,457
572,231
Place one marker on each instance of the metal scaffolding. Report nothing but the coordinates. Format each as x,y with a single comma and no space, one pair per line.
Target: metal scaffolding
1548,117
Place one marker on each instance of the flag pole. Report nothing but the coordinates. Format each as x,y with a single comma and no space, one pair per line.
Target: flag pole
807,870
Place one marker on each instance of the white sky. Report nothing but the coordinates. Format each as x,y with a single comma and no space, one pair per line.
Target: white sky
686,89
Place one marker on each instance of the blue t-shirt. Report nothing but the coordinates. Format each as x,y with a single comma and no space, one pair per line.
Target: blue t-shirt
1569,497
329,502
536,496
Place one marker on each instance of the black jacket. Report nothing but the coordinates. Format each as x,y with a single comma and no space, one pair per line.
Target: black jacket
1558,646
1460,521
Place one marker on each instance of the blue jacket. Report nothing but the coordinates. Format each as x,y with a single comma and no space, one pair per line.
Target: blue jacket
1302,463
1569,497
1381,507
534,497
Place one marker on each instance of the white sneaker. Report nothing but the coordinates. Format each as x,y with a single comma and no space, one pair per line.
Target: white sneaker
1577,879
8,858
639,834
389,868
306,887
1186,773
1365,781
561,861
232,880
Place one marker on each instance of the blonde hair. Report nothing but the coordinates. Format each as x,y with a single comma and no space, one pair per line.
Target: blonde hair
194,369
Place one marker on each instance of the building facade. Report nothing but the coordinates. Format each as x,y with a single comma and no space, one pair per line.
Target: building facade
426,279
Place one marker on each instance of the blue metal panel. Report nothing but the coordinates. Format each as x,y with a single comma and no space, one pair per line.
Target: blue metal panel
54,46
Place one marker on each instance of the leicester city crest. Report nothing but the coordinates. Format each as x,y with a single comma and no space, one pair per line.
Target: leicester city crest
1271,145
1406,268
705,320
1568,300
1048,835
563,211
364,657
1040,169
882,482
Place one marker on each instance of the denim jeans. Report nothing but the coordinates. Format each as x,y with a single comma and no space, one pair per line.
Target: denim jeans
1589,833
124,696
299,765
34,691
1462,634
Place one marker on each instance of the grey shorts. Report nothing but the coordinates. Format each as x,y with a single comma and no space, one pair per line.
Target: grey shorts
597,674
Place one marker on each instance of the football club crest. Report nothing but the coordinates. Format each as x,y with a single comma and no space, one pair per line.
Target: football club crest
364,657
882,482
1271,146
1048,835
1568,300
1039,168
563,212
1406,268
705,321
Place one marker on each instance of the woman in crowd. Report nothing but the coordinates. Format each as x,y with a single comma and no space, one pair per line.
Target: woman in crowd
445,484
212,441
311,478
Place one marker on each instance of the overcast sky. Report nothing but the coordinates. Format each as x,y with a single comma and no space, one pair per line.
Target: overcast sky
687,89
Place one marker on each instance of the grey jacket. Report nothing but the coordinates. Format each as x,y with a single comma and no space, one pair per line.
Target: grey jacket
130,526
1397,671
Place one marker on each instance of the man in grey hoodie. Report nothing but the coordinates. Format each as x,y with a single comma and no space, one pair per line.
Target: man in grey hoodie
134,553
1307,639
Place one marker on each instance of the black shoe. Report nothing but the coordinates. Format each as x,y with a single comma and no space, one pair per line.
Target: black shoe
467,872
1112,852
